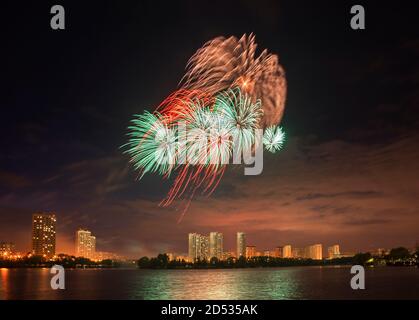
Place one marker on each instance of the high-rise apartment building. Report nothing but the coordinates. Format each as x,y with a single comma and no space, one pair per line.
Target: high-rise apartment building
333,251
277,252
198,247
216,245
314,252
287,251
241,244
43,234
192,246
205,247
85,244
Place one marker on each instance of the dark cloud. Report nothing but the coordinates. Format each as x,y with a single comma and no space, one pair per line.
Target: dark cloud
13,180
367,222
350,194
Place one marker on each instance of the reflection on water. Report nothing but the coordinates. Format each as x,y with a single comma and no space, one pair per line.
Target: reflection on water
35,283
269,283
219,284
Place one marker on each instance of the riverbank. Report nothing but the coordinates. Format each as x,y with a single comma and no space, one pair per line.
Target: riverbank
68,262
162,262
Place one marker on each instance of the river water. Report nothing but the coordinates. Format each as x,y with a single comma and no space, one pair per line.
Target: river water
260,283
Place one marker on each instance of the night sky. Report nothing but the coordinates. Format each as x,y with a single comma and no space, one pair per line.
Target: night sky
349,171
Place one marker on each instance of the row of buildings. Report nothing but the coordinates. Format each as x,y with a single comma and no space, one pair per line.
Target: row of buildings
203,247
85,247
6,249
44,240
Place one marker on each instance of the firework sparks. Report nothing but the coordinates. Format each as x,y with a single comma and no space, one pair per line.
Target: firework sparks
273,139
224,63
242,115
152,144
226,95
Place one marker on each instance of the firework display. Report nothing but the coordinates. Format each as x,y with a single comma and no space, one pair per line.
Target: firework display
225,97
227,63
273,138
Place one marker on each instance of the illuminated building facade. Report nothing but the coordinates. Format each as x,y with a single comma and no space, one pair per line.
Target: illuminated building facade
315,252
286,251
6,249
333,251
104,255
299,252
85,244
241,244
228,255
277,252
216,245
204,244
250,251
43,234
192,252
198,247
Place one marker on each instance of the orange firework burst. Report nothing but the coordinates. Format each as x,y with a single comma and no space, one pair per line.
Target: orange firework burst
225,63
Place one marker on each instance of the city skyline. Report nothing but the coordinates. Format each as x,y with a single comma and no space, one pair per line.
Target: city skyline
199,246
44,241
204,245
347,172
